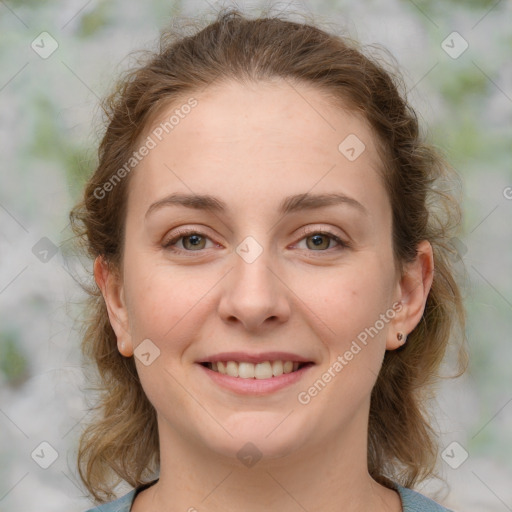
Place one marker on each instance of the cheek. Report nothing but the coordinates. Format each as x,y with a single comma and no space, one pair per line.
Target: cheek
166,303
346,300
156,301
344,312
350,319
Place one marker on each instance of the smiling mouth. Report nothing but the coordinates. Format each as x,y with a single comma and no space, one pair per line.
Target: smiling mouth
263,370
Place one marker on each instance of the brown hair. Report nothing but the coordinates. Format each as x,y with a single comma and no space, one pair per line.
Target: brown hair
402,446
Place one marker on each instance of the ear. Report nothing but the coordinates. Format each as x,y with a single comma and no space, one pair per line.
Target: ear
412,292
113,293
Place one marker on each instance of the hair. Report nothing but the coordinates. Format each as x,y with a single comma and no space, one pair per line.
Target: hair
122,441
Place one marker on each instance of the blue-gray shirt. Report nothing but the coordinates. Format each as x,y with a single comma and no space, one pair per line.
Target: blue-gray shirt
412,501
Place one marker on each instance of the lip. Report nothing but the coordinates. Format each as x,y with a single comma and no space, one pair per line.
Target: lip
255,386
244,357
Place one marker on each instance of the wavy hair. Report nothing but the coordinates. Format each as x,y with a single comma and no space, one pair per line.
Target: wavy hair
121,442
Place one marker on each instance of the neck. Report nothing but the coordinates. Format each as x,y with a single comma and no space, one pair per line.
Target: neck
329,477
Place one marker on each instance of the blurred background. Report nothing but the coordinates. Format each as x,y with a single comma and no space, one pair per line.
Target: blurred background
57,59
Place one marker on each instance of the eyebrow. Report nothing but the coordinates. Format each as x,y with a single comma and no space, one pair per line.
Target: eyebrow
290,204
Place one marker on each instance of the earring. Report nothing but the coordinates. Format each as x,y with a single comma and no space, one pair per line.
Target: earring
401,337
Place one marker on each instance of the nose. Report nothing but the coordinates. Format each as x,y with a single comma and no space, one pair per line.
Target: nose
254,294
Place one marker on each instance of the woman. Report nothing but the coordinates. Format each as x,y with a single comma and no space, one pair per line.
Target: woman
274,293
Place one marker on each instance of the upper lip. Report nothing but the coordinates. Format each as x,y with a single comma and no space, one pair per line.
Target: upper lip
255,358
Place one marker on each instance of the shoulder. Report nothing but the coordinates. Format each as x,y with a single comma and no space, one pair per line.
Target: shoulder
122,504
413,501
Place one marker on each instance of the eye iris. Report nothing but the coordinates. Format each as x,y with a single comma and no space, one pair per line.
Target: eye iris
195,240
317,240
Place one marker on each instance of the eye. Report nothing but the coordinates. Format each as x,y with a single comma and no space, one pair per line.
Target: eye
195,241
192,241
319,241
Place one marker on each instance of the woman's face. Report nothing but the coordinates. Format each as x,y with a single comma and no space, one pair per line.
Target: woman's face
259,273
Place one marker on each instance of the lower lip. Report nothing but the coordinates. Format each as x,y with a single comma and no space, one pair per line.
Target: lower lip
255,386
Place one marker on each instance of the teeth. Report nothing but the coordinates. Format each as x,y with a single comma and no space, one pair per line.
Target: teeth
232,369
245,370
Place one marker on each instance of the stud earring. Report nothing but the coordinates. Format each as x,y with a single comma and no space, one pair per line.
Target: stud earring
401,337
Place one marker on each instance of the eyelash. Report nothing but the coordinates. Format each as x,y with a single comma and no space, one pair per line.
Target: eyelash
187,232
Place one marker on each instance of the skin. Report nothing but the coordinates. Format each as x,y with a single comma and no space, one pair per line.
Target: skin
251,145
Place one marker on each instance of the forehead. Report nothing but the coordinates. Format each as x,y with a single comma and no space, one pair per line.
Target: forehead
254,142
